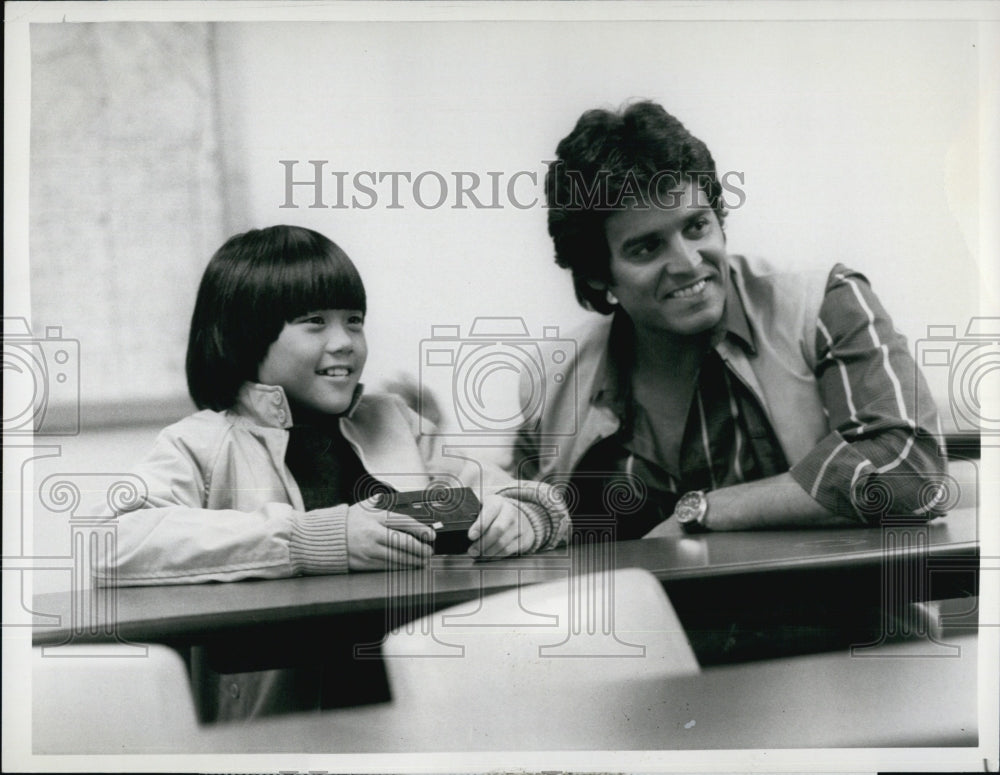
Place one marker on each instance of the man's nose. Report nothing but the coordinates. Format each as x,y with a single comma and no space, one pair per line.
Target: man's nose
682,258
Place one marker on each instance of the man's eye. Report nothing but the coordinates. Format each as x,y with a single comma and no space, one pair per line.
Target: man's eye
646,248
698,226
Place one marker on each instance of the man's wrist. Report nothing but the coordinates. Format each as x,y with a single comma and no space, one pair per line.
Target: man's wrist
691,512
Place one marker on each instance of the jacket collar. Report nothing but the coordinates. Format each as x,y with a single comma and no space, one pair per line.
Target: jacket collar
735,321
610,388
268,405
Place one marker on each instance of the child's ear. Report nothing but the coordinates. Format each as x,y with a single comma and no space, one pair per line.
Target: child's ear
597,285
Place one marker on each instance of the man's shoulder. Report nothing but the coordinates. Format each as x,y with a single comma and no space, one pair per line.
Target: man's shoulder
770,285
760,270
591,336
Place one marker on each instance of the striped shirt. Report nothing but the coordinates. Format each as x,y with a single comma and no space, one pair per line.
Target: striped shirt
880,423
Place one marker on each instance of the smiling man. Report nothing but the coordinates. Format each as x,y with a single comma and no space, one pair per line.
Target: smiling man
717,389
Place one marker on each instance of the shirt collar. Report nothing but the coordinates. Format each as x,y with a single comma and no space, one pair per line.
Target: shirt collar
734,318
268,405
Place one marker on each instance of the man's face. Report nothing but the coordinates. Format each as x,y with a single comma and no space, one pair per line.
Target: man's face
668,264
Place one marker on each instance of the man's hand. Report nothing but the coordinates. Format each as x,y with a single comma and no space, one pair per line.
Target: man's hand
669,528
421,401
382,540
501,530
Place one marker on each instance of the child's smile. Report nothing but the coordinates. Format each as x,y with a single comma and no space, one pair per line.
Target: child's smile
318,359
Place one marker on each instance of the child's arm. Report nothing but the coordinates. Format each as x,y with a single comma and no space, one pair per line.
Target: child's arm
174,535
519,518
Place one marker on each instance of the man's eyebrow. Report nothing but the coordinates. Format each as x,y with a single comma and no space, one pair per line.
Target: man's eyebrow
638,239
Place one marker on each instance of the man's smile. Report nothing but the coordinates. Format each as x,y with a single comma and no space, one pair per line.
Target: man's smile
687,291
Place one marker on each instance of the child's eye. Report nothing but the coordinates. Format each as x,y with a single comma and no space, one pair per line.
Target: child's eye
356,319
313,319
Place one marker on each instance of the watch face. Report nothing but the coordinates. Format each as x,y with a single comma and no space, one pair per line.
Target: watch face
690,507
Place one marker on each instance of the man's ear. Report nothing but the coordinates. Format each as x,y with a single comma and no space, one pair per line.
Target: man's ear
597,285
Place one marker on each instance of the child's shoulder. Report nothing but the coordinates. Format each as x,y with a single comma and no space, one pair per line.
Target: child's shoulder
201,430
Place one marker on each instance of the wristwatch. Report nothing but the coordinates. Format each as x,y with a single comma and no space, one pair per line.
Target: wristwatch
691,512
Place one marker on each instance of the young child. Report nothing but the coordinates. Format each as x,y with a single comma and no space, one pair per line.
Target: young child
278,474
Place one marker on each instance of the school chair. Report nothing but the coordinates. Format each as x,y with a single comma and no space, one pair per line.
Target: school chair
111,703
508,665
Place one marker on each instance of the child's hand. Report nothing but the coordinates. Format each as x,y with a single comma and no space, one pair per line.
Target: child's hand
501,530
382,540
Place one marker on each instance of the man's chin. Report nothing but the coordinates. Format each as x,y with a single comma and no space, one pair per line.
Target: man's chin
695,325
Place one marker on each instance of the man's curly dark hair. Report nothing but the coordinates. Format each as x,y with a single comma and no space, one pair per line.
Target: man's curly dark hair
608,160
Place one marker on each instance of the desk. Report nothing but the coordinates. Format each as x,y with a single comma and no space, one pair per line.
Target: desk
777,575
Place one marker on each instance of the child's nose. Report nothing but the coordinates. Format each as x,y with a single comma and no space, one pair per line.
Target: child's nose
339,339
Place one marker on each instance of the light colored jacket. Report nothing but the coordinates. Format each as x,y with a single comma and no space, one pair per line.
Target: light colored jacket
221,505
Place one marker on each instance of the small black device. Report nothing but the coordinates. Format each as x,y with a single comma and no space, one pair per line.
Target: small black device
449,510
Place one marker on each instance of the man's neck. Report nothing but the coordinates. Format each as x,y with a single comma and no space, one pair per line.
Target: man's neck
659,353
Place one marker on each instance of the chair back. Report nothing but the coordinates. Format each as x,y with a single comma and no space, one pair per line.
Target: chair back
82,703
590,636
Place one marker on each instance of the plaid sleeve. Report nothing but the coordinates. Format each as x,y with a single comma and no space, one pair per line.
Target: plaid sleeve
882,456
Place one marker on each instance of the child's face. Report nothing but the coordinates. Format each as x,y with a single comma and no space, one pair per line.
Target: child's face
318,358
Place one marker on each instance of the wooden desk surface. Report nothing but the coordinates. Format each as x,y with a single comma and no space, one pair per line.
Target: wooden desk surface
176,613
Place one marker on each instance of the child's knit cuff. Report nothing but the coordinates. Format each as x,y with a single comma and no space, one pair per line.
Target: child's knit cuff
545,510
319,542
539,520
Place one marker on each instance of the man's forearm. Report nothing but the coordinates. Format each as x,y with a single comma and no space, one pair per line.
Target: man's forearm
775,502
